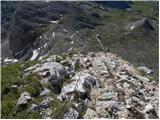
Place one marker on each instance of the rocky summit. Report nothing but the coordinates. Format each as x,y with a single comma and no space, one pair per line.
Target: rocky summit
75,85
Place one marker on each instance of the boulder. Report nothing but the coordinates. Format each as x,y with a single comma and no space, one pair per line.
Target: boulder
88,103
24,98
33,108
55,58
148,108
90,114
14,87
53,67
46,113
106,96
66,90
69,87
45,92
50,72
46,103
83,83
86,60
155,104
102,107
145,70
71,114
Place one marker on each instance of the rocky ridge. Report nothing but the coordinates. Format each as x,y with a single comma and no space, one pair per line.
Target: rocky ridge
97,85
31,30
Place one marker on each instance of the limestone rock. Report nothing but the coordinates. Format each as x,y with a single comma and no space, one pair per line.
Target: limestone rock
90,114
45,92
103,85
85,81
71,114
46,102
145,70
33,108
24,98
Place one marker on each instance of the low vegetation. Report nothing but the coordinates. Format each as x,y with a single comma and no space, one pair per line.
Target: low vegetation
12,76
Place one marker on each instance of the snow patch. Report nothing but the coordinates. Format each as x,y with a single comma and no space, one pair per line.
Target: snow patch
15,60
126,33
132,27
35,54
97,35
40,58
54,22
7,60
45,44
72,42
53,35
10,60
71,36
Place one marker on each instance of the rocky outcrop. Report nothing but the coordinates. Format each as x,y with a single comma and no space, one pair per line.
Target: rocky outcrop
90,114
145,70
100,85
71,114
33,108
143,23
24,99
83,83
45,92
50,72
46,102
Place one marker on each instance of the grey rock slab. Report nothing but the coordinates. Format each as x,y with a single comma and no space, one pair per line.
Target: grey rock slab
33,108
45,92
71,114
46,102
24,98
90,114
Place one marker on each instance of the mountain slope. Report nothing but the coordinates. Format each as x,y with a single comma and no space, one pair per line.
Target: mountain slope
95,85
62,25
60,59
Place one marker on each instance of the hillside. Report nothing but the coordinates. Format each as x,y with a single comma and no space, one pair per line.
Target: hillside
53,27
96,85
79,59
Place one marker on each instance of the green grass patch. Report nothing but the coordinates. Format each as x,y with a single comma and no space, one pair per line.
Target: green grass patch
13,75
